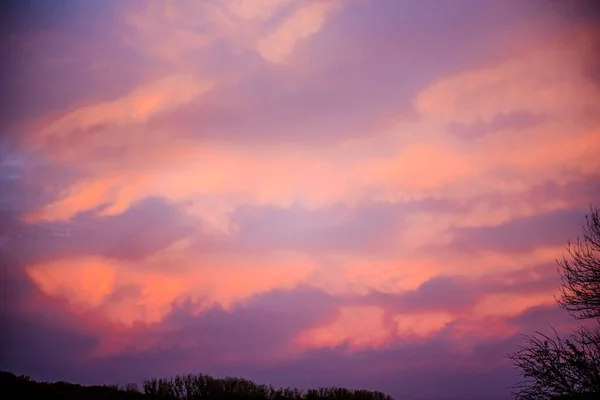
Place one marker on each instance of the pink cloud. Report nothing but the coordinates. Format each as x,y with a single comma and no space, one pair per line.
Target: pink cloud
357,327
302,192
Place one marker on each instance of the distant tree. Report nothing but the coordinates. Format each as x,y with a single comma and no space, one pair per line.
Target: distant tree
568,368
22,387
180,387
204,387
132,387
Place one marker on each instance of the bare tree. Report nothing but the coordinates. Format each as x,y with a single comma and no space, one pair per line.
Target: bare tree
554,366
568,368
580,272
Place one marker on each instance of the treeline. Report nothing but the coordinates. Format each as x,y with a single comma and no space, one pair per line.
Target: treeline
180,387
188,387
22,387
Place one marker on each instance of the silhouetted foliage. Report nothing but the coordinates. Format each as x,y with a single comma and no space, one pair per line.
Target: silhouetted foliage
180,387
568,368
580,396
555,366
190,387
22,387
580,272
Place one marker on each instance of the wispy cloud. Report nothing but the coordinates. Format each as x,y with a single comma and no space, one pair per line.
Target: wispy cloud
373,192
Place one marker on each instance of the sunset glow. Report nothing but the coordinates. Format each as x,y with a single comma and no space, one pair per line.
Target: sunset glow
369,194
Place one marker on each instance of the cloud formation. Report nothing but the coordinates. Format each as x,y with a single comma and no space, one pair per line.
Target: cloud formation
318,192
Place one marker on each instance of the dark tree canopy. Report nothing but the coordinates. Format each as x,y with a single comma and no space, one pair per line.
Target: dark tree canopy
555,366
580,272
180,387
568,368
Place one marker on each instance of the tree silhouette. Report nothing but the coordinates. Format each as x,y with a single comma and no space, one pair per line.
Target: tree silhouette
204,387
580,272
568,368
180,387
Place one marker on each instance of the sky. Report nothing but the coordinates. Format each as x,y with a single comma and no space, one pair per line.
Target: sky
360,193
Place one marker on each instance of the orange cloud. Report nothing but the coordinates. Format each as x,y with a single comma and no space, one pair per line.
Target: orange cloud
305,21
421,325
415,159
179,175
468,329
153,287
419,166
345,274
256,9
241,277
511,304
358,327
426,163
137,106
223,130
170,31
85,282
550,78
167,30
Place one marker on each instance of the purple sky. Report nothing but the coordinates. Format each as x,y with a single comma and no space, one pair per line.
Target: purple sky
358,193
